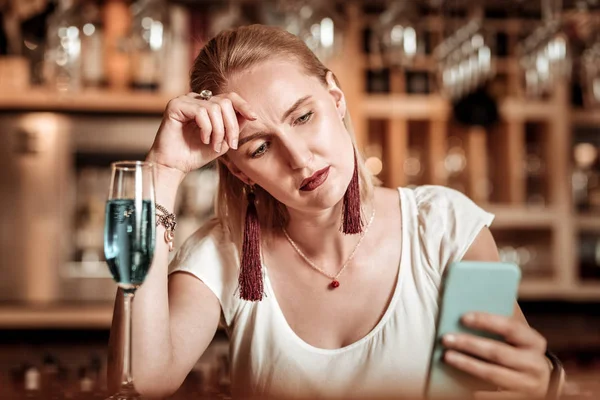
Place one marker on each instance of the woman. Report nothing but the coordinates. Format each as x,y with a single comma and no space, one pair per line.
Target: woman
333,314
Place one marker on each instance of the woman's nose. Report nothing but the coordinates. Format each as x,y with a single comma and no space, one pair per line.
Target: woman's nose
300,155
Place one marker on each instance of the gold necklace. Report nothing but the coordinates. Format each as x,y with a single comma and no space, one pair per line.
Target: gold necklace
334,278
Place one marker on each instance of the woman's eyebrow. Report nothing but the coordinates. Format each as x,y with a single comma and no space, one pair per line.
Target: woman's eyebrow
253,136
293,108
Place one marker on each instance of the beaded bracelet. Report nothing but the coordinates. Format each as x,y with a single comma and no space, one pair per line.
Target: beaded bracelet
169,221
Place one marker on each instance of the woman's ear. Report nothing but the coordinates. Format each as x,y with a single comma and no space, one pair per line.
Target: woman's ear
236,171
337,94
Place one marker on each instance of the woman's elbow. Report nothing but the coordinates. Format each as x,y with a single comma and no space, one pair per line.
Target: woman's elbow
157,386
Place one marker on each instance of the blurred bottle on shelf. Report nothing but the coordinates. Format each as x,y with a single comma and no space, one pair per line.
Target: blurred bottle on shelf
12,383
176,71
49,378
86,384
585,178
590,71
32,383
62,66
34,31
589,256
148,38
117,22
535,173
92,45
97,372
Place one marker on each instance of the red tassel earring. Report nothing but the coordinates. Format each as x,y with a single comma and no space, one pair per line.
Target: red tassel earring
352,220
250,279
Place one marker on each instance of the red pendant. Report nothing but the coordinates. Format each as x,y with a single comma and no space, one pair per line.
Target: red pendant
334,284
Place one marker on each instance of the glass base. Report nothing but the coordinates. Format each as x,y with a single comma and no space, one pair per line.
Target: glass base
126,392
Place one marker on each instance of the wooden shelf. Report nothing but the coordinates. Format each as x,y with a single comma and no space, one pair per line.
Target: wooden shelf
405,106
420,62
528,110
72,316
549,289
584,292
86,101
586,117
521,217
537,289
588,222
435,107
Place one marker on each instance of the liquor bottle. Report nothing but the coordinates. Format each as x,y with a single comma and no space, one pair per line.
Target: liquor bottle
49,378
584,179
85,383
589,256
62,69
148,43
32,383
175,72
92,45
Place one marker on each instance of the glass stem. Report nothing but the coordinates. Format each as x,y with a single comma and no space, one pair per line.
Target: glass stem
127,378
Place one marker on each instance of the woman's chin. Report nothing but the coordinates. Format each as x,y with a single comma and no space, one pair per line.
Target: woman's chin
325,197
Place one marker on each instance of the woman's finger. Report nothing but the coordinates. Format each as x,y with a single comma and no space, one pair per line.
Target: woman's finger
218,127
241,106
203,122
497,375
514,331
232,129
493,351
182,110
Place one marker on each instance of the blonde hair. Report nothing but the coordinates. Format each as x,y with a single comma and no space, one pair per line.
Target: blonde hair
237,50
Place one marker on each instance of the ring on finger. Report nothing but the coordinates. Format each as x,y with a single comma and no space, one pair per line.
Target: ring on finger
206,94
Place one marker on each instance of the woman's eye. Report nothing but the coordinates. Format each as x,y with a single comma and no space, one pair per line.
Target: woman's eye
261,150
305,118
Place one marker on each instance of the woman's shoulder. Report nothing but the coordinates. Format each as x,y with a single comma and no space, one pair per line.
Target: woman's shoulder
437,194
208,247
441,202
429,202
448,222
213,231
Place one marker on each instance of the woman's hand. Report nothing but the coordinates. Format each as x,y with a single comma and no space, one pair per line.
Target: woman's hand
194,132
518,367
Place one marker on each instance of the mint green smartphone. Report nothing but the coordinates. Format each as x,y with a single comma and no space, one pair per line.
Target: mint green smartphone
489,287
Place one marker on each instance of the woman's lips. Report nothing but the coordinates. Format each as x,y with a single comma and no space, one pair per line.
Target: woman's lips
313,182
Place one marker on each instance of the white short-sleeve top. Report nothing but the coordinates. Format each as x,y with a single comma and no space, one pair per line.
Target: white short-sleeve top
268,360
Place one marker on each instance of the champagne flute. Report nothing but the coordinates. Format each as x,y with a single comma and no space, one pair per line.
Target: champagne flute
129,240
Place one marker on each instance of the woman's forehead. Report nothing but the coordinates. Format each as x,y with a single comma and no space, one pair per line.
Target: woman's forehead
275,84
